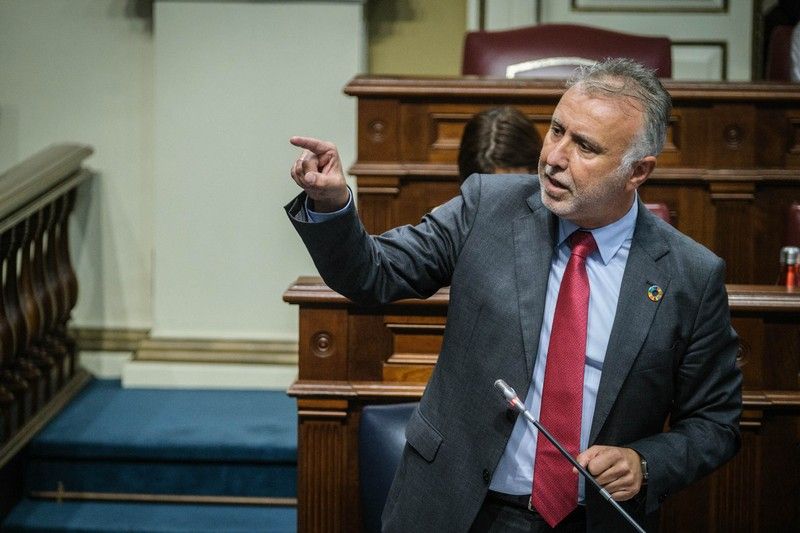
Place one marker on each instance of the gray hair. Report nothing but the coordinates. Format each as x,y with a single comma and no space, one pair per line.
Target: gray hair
621,77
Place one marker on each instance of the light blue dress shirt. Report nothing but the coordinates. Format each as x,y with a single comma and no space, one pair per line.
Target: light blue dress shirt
514,473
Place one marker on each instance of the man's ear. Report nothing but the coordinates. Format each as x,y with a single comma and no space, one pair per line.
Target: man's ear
641,171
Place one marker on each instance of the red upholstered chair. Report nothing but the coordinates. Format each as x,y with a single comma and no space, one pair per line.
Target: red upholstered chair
555,50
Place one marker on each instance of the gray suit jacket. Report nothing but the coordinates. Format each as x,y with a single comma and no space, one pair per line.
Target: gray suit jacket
673,359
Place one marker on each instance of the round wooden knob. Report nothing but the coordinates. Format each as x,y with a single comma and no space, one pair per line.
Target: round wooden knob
733,136
322,344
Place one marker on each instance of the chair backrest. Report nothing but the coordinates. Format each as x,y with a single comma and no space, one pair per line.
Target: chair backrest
381,439
555,50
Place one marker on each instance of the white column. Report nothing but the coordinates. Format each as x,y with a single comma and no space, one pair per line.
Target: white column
232,82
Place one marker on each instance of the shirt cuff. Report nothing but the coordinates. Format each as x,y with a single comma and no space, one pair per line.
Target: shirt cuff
316,217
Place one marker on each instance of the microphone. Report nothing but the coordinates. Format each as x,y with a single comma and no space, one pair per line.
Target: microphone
513,400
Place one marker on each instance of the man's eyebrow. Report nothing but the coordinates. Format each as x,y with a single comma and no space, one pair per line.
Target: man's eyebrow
593,145
580,138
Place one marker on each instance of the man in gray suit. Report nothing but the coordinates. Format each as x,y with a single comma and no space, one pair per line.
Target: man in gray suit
610,322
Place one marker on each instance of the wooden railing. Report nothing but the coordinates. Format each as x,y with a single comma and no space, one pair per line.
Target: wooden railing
38,290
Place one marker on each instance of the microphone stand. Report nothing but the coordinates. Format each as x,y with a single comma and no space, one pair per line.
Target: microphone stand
512,398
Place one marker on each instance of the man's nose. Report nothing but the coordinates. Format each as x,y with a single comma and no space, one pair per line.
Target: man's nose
557,157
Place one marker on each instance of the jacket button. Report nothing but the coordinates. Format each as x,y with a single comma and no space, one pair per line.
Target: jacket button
487,477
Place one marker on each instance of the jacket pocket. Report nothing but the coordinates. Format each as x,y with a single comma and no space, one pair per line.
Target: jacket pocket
422,436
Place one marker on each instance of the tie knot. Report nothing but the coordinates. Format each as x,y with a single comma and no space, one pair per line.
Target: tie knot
582,243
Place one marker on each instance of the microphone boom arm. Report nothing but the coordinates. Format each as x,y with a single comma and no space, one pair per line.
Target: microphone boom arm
513,400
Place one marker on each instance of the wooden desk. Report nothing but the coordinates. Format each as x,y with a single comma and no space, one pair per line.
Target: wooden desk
352,355
729,170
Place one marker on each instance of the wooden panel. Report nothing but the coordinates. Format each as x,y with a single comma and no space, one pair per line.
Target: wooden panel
689,203
416,343
751,341
792,127
377,197
779,507
323,346
378,128
778,131
321,467
671,154
734,230
732,141
370,345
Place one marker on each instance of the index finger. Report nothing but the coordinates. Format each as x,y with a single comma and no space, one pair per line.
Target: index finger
311,144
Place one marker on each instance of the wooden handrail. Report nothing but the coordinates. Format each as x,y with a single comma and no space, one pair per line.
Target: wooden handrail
25,182
457,87
758,298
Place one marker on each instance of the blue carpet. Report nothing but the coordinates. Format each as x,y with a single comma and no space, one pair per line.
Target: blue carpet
40,516
156,441
148,477
107,421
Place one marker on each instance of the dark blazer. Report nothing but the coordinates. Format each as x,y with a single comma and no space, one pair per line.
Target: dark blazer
672,359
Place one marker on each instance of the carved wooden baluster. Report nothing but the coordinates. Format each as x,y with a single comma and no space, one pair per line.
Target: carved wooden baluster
12,240
31,312
54,240
18,376
42,296
67,277
40,288
53,284
12,406
16,318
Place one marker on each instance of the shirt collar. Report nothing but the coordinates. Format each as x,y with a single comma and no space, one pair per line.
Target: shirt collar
609,238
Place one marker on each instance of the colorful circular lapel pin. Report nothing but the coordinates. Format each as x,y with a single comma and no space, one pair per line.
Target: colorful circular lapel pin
655,293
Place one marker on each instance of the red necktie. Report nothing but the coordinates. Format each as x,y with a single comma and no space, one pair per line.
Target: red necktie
555,487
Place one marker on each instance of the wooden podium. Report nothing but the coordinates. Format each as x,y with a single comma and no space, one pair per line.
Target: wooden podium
352,355
730,170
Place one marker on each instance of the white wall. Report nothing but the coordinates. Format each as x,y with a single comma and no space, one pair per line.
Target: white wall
698,37
698,62
233,82
81,71
183,230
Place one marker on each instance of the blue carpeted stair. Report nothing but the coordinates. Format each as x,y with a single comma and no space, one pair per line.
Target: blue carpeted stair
172,443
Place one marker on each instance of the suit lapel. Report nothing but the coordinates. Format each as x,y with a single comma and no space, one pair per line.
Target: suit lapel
534,235
635,312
